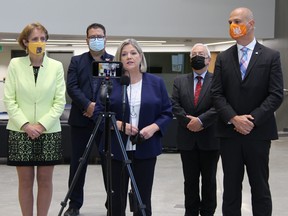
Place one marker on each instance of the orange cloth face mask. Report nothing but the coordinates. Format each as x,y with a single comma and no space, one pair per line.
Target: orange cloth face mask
237,30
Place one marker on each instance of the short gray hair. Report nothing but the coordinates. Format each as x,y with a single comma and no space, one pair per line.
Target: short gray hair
204,45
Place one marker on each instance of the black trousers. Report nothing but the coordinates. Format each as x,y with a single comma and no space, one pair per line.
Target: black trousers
79,140
143,171
236,154
198,163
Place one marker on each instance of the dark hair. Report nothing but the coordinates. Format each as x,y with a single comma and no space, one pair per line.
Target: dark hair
95,26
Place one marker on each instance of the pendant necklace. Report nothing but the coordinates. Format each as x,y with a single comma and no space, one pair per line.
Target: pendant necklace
134,98
133,114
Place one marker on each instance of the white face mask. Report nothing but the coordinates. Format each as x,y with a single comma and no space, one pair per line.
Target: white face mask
97,44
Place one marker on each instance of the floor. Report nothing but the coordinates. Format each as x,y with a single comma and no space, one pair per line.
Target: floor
168,187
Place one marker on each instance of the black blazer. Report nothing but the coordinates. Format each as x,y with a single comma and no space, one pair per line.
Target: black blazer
260,93
182,99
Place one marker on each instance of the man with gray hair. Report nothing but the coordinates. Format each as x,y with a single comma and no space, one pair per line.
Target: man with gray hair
197,143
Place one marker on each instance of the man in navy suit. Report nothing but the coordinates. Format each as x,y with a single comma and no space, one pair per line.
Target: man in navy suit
82,87
199,148
247,89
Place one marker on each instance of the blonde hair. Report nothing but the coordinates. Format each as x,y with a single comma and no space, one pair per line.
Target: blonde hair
135,44
24,35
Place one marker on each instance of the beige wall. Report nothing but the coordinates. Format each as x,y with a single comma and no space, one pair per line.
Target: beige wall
212,62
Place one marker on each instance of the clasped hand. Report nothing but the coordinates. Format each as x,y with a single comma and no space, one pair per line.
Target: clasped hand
243,123
33,130
131,130
194,124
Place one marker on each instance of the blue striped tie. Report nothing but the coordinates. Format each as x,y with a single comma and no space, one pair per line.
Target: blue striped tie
244,61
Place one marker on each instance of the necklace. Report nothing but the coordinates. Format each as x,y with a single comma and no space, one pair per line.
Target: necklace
134,96
133,114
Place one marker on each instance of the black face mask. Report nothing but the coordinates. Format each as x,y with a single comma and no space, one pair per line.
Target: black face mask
198,62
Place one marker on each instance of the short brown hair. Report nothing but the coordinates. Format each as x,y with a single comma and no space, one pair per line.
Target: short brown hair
27,31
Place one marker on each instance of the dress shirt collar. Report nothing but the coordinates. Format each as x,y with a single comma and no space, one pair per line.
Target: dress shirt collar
202,75
250,46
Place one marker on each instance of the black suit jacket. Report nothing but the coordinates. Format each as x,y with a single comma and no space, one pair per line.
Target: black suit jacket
182,99
260,93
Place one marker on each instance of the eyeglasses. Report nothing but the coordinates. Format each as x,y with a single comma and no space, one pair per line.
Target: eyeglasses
98,37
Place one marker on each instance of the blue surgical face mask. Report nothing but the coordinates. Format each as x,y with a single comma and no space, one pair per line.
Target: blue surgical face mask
97,44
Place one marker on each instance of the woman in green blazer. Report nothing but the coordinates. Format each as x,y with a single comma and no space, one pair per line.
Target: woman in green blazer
34,96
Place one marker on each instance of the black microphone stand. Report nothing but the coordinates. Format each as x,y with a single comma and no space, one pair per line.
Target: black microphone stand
124,81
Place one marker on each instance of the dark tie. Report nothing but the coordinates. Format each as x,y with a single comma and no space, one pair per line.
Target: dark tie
197,90
244,61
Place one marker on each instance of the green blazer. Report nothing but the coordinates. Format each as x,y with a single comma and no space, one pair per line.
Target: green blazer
26,101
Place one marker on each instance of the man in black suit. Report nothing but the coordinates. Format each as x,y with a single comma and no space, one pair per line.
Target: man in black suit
247,89
196,140
82,87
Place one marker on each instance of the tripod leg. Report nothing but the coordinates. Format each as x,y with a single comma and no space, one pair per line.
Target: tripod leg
82,161
128,166
108,153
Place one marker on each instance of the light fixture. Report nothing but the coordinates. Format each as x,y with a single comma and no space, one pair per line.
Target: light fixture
220,43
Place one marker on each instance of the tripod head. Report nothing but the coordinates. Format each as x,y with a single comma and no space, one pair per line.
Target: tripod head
106,70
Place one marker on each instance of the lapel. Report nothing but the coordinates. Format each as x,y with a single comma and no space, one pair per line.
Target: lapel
143,96
235,63
190,89
42,76
29,72
204,89
205,86
256,53
88,63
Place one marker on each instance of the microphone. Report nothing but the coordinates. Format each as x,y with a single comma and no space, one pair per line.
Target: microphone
124,82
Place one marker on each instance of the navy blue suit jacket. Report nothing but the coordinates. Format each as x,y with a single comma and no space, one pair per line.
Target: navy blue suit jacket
80,87
155,108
